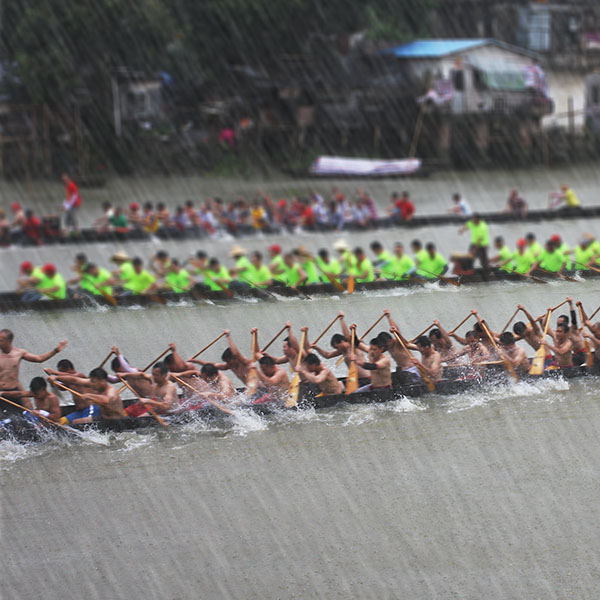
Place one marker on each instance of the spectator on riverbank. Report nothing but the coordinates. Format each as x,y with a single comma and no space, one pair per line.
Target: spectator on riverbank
150,219
71,203
118,221
32,228
4,229
103,223
516,205
460,207
134,216
402,209
18,216
566,196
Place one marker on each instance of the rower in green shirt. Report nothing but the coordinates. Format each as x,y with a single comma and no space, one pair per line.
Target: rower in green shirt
178,280
141,281
52,284
533,245
583,254
125,270
419,252
347,259
364,267
433,265
242,263
401,265
276,264
199,265
294,274
328,265
308,265
564,248
217,276
551,259
259,274
480,239
521,258
98,279
382,257
504,257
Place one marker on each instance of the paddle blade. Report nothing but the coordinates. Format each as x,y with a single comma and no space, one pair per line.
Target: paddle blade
252,382
292,397
537,364
339,361
336,284
351,284
429,384
589,357
352,378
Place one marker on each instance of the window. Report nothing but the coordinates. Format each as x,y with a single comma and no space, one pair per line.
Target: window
538,35
595,94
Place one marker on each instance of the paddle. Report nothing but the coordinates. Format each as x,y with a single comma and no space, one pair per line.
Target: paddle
589,357
507,363
223,288
588,267
352,377
292,397
150,409
537,364
559,275
273,340
332,278
445,279
107,357
65,427
210,400
552,309
429,383
593,314
422,332
207,346
461,323
528,276
252,378
106,295
149,365
326,329
510,320
350,288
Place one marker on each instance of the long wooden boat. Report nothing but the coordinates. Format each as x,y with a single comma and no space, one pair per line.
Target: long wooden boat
309,397
11,301
198,233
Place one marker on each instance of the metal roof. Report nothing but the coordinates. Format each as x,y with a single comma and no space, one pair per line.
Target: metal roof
435,48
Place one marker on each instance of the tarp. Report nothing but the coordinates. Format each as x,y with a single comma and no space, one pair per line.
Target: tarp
364,167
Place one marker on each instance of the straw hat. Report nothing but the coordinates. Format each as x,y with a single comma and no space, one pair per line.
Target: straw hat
302,251
341,245
119,257
237,250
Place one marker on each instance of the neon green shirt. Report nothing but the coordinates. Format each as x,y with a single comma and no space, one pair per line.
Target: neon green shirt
365,265
139,282
126,271
292,274
535,249
46,283
382,258
430,267
480,235
552,261
244,266
398,268
333,267
258,277
277,265
505,253
570,198
349,262
582,257
312,273
222,273
523,262
178,282
96,283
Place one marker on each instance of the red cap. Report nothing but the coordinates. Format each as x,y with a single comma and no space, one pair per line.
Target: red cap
134,206
49,269
555,238
15,206
521,243
26,266
275,248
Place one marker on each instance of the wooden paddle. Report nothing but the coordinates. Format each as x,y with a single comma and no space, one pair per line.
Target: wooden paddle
593,314
106,295
327,328
429,383
589,357
558,275
445,279
252,378
537,364
553,309
341,358
422,333
274,338
352,377
510,320
528,276
292,397
65,427
207,398
150,409
107,357
461,323
332,278
223,288
587,267
208,346
507,363
350,288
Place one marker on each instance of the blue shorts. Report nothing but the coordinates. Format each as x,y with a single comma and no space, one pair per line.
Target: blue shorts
89,411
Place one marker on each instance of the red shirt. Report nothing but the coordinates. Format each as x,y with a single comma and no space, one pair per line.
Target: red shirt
406,208
308,216
72,189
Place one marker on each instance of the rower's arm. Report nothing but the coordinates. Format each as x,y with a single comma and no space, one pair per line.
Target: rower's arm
281,360
39,358
188,373
460,340
235,350
73,379
532,321
345,329
326,353
100,399
178,363
390,320
135,375
312,377
293,341
444,333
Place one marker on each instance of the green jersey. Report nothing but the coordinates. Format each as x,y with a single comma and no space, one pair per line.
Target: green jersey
479,233
277,267
243,266
221,274
258,277
365,267
523,262
97,284
139,282
536,249
349,262
431,266
505,254
564,248
178,282
47,283
552,261
126,271
333,267
582,257
382,259
312,273
292,274
398,268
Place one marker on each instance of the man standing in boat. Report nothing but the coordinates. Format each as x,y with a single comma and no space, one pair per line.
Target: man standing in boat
10,360
480,240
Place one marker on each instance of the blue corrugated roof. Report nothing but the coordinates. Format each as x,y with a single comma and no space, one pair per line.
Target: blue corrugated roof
435,48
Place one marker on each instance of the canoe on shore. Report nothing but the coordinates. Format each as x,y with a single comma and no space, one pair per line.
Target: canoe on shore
11,301
309,397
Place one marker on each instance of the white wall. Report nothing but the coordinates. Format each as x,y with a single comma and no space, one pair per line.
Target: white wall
562,85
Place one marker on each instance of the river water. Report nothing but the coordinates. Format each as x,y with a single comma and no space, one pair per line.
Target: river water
489,494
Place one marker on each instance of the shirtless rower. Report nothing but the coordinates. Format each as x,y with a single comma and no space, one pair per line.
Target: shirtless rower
431,359
162,393
379,366
10,359
563,348
46,403
515,355
441,341
82,408
531,333
275,381
291,347
313,371
475,351
575,335
484,340
406,371
232,359
220,387
102,394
